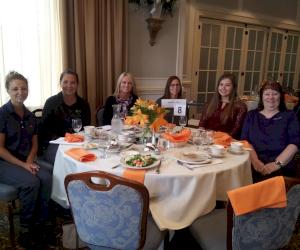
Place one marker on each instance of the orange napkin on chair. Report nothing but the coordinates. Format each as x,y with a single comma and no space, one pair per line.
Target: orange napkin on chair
222,138
136,175
270,193
74,137
80,154
183,136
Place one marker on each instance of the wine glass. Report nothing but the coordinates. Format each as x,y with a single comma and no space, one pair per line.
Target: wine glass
104,141
163,145
182,121
76,124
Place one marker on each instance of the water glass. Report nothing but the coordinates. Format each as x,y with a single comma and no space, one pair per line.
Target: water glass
182,121
76,124
104,141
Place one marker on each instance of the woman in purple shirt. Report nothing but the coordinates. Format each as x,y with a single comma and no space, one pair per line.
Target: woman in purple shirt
273,132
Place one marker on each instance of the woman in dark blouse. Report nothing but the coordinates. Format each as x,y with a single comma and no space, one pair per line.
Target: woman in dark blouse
274,134
18,149
173,90
60,109
125,95
225,112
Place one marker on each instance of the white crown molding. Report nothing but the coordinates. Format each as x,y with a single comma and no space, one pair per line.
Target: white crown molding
246,17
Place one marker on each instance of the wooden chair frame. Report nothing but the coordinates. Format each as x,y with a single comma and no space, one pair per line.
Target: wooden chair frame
114,180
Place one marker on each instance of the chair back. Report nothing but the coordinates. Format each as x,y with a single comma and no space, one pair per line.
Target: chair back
268,228
99,116
108,210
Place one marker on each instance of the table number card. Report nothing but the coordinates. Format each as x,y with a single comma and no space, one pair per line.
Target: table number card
178,105
179,110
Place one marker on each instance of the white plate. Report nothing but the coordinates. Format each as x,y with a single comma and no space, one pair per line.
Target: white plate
127,127
218,156
90,145
193,157
153,165
124,154
235,152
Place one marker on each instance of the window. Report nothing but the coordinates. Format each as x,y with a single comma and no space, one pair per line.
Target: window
30,43
252,53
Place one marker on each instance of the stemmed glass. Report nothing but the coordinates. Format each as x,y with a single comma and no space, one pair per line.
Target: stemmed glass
163,145
76,124
182,121
104,141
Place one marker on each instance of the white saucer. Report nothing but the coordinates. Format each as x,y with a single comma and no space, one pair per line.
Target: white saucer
236,152
218,156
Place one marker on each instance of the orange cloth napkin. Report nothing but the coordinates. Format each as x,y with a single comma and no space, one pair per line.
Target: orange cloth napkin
73,137
80,154
183,136
136,175
290,98
222,138
270,193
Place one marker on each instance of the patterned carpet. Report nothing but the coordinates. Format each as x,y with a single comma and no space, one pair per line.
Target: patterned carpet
62,217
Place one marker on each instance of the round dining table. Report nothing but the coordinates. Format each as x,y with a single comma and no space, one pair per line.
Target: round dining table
178,194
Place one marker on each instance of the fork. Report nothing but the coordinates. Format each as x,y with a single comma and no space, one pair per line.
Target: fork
158,167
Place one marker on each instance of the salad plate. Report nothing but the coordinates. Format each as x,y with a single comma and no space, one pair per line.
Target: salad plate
139,161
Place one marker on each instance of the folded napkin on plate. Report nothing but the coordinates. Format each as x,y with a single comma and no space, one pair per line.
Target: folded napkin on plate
80,154
74,137
136,175
183,136
270,193
222,138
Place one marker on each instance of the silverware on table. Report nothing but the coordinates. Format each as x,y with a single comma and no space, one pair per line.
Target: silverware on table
116,166
158,168
186,165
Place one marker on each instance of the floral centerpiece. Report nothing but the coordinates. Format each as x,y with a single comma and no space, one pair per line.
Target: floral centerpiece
148,115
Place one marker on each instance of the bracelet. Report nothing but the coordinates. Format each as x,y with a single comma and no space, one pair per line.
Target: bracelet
279,164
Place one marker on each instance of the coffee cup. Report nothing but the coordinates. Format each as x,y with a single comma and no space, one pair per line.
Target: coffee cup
236,146
124,137
217,150
89,130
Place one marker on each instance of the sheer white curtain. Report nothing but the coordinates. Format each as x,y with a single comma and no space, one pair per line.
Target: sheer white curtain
30,43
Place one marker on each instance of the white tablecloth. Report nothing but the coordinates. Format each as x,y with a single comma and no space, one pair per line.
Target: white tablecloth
178,195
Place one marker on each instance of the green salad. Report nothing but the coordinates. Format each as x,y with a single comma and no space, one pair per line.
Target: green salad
140,160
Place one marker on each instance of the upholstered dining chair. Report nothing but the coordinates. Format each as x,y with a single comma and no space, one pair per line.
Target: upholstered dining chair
264,229
111,212
9,194
99,116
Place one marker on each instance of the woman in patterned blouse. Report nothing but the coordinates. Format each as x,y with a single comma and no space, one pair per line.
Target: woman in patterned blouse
225,112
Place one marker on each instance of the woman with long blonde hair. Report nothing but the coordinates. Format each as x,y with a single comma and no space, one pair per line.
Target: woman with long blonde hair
125,95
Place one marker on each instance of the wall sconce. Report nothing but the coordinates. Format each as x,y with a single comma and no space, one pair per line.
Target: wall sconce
154,25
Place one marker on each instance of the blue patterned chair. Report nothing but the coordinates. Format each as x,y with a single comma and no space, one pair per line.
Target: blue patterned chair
112,212
9,194
265,229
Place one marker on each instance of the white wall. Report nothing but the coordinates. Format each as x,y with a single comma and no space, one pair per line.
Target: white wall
173,51
151,65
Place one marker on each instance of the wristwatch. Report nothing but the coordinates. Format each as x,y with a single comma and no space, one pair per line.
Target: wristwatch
279,163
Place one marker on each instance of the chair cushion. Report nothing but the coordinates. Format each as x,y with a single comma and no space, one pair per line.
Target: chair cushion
210,230
269,228
7,192
110,218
